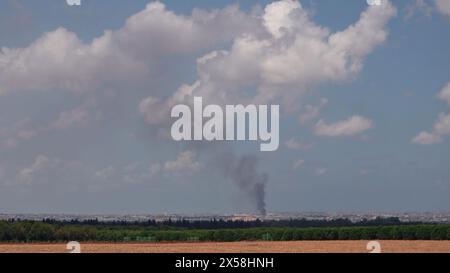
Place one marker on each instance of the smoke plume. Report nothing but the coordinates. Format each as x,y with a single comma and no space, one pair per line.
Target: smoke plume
243,172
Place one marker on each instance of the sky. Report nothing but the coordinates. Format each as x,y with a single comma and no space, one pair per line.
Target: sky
86,93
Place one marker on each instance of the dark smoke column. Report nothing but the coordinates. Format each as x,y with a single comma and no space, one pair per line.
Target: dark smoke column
243,172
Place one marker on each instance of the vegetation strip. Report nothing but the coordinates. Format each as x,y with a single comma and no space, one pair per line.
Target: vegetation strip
55,231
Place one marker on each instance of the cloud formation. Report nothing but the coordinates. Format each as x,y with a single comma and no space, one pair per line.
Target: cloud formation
352,126
38,170
426,138
441,127
444,94
117,59
283,61
185,162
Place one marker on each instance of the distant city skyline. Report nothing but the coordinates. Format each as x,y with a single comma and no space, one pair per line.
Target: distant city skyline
426,217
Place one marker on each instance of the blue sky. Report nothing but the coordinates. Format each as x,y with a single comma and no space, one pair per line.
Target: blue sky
84,112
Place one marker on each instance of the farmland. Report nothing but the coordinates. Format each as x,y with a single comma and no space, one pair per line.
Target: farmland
350,246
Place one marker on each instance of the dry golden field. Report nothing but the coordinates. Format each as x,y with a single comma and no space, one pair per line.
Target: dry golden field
235,247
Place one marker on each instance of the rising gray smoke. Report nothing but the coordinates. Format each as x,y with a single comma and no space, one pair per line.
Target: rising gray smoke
242,171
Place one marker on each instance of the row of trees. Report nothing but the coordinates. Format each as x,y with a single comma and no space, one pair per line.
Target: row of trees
219,223
29,231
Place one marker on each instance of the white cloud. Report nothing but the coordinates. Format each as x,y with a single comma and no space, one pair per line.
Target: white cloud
444,94
278,18
293,55
426,138
157,111
280,52
312,111
40,167
132,57
349,127
69,64
441,127
443,6
185,162
117,58
153,110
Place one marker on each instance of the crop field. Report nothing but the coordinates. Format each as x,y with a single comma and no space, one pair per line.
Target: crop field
237,247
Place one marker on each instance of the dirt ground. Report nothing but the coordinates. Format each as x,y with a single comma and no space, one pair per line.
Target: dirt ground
235,247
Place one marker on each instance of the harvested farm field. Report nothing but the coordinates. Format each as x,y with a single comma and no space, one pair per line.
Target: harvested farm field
237,247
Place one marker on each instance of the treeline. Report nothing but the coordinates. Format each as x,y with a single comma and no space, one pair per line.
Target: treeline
30,231
231,224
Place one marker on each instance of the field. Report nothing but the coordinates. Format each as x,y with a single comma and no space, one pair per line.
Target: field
236,247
